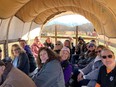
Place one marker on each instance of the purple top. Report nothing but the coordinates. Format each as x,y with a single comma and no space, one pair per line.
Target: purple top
67,69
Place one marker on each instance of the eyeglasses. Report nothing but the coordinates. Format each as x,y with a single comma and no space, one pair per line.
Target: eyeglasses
108,56
57,44
99,51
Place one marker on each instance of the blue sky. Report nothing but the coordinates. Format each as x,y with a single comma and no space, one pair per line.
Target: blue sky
69,20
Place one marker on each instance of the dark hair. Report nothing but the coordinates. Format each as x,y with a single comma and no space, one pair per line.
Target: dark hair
80,38
2,63
0,49
93,40
101,46
21,40
69,43
51,55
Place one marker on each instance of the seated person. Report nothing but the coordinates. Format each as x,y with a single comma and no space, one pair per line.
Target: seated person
88,57
67,67
50,72
20,58
48,43
12,77
107,73
88,75
29,53
90,72
72,45
36,46
80,48
76,57
58,46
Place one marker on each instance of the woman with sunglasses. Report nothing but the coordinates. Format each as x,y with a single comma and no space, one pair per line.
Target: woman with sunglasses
89,74
107,73
58,46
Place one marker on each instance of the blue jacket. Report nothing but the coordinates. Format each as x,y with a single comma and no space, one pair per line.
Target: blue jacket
31,58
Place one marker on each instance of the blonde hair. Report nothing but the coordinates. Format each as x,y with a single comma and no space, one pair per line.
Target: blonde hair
65,49
61,45
21,50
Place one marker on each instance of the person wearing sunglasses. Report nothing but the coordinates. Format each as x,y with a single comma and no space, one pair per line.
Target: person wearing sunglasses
58,46
107,73
88,75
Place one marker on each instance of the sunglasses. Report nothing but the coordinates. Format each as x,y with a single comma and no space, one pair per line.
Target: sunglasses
99,51
108,56
57,44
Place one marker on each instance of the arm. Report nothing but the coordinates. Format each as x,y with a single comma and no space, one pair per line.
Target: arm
23,59
88,68
92,75
67,73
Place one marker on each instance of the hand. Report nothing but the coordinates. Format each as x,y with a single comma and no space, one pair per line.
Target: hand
76,65
80,77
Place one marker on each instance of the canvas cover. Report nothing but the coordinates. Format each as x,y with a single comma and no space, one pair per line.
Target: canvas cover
25,13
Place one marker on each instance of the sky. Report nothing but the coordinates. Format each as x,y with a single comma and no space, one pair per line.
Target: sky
69,20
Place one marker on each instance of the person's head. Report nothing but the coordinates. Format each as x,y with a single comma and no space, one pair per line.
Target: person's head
2,68
58,45
93,41
22,43
0,53
36,39
67,43
108,58
65,53
71,39
99,49
49,40
91,47
45,55
80,40
16,50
